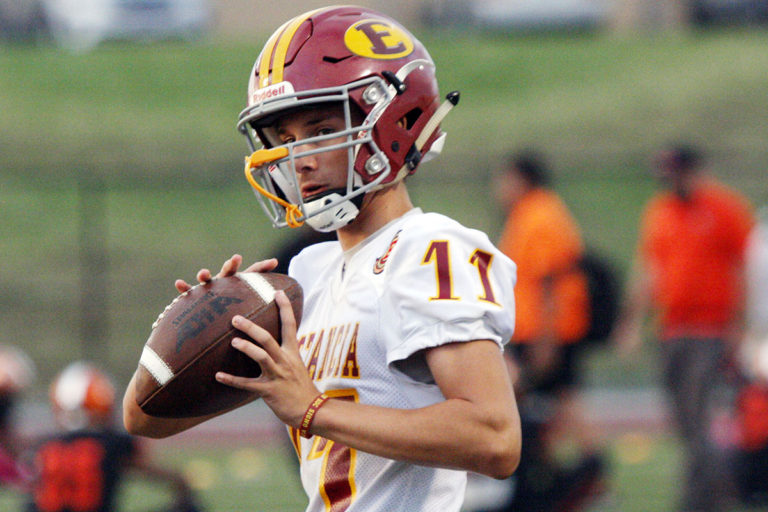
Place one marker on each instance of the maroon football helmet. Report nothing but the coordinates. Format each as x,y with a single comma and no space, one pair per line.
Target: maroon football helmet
378,72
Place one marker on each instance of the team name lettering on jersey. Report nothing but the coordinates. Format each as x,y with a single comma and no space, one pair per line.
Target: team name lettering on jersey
331,352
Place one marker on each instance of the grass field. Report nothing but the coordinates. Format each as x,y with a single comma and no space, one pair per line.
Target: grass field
146,133
236,479
241,478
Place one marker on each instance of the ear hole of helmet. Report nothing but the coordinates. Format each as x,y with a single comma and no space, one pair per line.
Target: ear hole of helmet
410,119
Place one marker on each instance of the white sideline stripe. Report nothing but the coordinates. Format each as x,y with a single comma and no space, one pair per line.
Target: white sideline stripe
260,285
155,365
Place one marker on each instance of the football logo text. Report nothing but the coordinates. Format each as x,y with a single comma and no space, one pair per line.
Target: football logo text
199,320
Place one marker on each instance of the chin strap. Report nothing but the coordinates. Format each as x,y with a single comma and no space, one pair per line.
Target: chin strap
260,158
451,100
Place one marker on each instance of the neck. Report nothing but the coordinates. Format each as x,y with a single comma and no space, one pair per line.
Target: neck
684,185
378,208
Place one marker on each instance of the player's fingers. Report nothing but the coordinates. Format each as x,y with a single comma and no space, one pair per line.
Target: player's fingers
235,381
182,286
258,334
257,353
203,275
230,266
263,266
287,319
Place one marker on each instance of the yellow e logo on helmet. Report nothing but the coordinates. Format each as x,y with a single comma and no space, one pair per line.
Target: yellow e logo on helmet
378,39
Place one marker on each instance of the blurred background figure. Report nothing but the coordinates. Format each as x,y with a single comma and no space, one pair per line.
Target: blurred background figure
83,24
552,317
689,272
80,467
755,350
17,374
751,454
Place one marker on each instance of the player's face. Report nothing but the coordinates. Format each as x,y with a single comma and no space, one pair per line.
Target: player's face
319,172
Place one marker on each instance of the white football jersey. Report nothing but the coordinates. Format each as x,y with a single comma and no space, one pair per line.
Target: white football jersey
421,281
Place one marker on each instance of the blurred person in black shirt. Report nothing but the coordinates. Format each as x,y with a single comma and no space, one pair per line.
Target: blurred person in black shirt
80,467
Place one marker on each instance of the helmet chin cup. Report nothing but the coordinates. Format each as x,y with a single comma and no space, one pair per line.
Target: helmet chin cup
333,218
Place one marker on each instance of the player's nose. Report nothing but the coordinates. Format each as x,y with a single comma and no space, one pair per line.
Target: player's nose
305,160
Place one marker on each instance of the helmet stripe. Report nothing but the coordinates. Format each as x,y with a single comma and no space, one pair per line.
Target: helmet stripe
265,59
278,63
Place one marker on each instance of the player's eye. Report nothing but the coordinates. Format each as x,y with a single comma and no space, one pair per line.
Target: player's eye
327,130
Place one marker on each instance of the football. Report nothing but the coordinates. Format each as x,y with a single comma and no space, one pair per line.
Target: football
191,341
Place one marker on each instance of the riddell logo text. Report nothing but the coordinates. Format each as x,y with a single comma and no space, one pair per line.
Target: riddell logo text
271,92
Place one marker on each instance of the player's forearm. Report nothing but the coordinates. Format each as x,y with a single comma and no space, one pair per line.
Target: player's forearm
138,423
454,434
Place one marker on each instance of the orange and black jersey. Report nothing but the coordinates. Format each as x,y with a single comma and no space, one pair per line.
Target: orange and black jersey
79,471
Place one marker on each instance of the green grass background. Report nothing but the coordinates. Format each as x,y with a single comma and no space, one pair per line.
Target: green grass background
240,477
153,127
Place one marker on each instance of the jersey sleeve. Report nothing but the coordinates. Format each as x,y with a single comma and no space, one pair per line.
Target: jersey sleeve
445,283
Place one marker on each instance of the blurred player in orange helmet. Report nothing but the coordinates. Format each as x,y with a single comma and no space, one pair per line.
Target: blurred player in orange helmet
82,396
80,468
17,373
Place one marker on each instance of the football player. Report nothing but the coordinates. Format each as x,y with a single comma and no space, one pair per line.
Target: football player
80,467
17,372
394,385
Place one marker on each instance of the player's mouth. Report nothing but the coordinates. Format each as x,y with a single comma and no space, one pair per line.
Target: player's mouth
312,190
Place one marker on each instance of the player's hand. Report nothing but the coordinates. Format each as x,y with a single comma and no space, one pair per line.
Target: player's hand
229,268
284,384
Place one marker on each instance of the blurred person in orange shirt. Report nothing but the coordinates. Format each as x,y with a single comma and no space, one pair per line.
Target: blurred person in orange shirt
689,272
551,303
